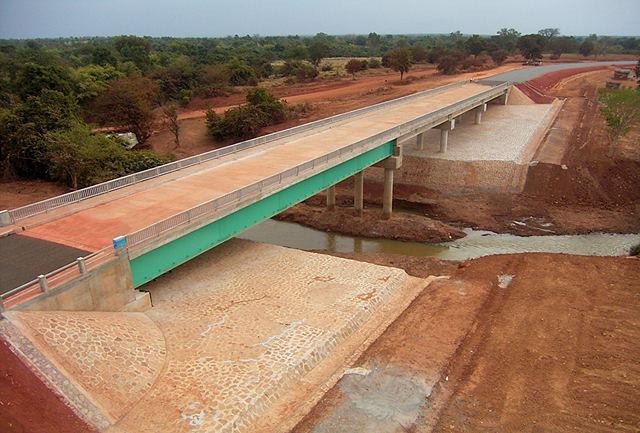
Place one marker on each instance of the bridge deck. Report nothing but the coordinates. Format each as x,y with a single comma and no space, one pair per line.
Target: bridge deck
133,208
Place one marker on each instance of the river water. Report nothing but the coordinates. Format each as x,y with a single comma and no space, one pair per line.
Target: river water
476,244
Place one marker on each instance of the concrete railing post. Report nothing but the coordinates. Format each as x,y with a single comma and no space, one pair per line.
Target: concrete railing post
120,245
5,218
44,285
82,266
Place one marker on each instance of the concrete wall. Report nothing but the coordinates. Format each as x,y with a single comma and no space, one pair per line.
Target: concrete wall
461,176
108,287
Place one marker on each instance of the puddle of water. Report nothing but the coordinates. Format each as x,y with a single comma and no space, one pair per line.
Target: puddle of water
475,244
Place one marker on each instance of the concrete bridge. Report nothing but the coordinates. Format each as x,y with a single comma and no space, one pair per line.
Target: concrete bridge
138,227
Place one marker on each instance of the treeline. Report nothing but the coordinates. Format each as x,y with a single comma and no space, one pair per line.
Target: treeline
51,88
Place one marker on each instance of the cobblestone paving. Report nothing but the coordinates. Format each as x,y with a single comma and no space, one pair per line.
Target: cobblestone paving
229,334
503,135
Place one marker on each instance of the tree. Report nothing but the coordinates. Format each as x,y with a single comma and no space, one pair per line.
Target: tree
170,120
549,34
373,42
449,61
476,45
508,39
531,46
33,79
621,111
586,48
318,50
134,49
418,54
246,121
353,66
102,56
239,73
128,103
561,45
400,61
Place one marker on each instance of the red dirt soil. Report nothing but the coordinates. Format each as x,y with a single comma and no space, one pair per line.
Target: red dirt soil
27,405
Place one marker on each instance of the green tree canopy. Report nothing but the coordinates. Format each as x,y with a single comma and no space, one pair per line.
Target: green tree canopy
621,111
531,46
134,49
128,104
33,79
400,61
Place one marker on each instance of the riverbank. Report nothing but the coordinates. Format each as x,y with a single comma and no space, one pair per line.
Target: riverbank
403,226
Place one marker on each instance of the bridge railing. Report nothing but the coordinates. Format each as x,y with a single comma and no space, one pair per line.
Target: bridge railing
184,218
48,205
48,281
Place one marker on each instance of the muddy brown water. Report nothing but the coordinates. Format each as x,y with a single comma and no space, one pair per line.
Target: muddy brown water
477,243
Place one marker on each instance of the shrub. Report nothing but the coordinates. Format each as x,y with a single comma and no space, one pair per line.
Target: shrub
246,121
374,63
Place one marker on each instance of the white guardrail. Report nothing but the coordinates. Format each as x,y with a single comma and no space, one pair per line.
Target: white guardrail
45,206
45,282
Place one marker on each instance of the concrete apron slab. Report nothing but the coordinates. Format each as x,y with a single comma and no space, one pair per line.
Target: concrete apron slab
245,338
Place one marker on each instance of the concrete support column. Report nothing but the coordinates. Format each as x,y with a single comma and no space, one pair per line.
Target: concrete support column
479,110
358,193
331,198
387,196
444,133
444,140
420,141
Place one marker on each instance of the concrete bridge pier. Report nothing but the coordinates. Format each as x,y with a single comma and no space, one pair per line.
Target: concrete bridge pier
389,164
444,133
478,113
358,193
331,198
420,141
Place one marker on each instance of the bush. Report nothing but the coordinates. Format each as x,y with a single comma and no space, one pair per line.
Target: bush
246,121
79,158
306,72
327,67
374,63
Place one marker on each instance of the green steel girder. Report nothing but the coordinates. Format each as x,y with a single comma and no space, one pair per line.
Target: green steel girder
172,254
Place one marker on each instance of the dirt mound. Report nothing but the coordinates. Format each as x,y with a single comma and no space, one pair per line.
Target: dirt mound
605,184
548,80
403,227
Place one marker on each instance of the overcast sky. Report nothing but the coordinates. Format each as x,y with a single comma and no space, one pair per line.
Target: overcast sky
22,19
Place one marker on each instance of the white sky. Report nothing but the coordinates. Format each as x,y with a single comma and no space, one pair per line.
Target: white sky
23,19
